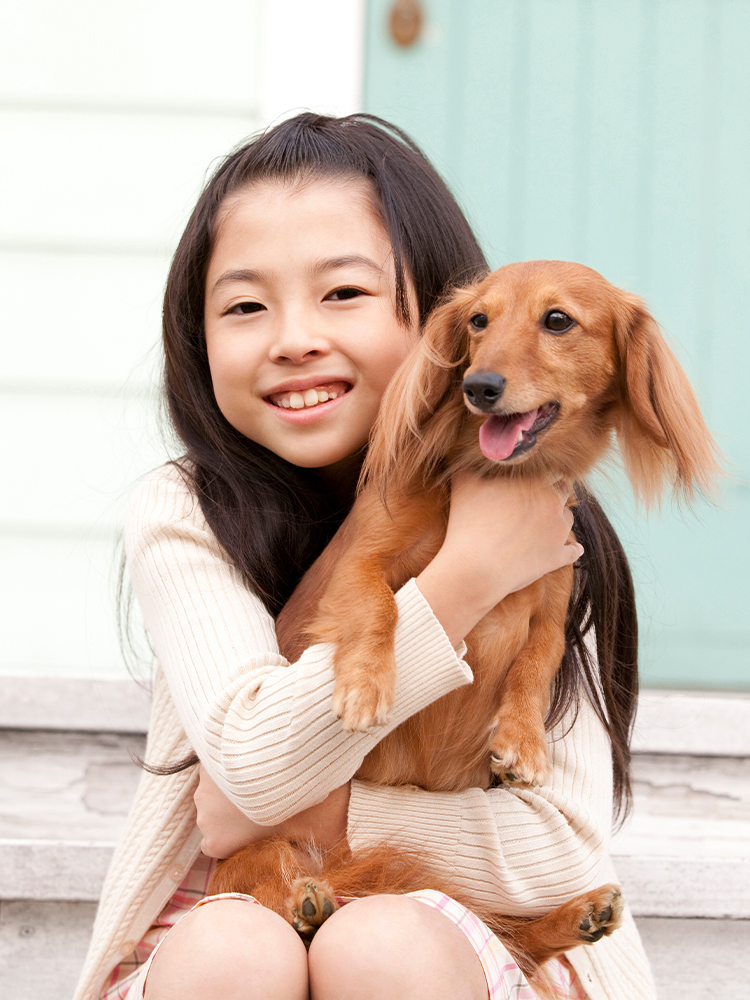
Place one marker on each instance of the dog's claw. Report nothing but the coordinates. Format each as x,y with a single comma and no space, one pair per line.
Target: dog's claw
510,769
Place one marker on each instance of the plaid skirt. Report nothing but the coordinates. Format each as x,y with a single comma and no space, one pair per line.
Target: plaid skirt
505,981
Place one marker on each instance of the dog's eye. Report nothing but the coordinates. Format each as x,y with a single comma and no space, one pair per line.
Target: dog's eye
556,321
479,322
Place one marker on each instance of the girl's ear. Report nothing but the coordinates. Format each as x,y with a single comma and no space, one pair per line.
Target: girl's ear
428,380
660,429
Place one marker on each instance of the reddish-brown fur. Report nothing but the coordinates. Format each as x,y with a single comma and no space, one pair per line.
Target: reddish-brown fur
612,375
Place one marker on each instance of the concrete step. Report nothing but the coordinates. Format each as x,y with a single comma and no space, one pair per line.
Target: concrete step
64,798
67,777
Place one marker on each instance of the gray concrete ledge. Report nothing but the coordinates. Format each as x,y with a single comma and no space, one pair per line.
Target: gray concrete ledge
93,704
53,870
702,723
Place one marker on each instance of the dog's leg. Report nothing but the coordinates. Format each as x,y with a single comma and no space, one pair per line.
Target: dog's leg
279,875
358,611
358,614
584,920
518,752
265,870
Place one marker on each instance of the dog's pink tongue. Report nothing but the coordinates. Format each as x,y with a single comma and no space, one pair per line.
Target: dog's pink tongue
498,436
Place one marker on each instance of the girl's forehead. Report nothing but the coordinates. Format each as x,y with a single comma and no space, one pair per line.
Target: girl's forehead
302,194
298,222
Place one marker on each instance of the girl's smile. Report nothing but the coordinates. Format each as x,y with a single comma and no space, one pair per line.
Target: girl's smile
302,331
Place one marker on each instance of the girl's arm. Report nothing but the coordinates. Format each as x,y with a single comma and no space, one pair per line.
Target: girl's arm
226,829
520,851
264,730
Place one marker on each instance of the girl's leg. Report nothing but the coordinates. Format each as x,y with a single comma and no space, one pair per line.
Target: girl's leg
382,947
229,950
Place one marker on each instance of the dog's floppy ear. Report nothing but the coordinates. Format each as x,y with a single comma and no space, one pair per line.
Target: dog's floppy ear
661,431
427,382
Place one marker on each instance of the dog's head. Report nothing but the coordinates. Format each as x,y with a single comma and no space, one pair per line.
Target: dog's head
533,369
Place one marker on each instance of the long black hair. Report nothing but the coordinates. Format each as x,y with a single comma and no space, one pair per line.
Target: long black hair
273,518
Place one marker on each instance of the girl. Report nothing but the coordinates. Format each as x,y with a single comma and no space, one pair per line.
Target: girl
310,263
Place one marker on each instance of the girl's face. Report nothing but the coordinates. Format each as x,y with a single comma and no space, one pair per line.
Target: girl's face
301,325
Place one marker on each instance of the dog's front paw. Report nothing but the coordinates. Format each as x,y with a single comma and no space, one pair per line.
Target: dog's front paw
311,903
519,758
362,703
601,915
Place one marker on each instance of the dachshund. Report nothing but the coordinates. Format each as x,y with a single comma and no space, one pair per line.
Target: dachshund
534,371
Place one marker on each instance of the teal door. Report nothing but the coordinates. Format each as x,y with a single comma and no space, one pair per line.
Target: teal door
617,134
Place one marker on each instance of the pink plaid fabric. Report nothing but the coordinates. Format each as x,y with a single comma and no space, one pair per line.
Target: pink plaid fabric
505,981
191,891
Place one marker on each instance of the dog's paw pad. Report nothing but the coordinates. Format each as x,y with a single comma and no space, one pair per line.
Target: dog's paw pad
312,903
603,915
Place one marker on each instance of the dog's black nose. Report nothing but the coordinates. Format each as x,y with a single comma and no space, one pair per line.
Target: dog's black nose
483,389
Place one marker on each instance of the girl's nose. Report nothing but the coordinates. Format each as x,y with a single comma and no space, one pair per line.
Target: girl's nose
297,339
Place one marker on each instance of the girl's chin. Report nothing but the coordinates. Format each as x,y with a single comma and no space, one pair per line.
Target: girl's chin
328,464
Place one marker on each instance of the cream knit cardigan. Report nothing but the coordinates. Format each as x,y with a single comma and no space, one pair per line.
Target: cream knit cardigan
266,734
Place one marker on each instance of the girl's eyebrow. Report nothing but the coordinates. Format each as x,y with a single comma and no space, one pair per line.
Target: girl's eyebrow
243,274
347,260
323,266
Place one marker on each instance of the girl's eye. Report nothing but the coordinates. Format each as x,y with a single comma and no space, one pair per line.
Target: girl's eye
245,308
556,321
479,322
342,294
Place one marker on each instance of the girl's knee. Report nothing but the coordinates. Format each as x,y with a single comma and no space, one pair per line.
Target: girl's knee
385,946
229,949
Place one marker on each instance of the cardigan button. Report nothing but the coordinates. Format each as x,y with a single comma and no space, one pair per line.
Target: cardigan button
128,947
176,873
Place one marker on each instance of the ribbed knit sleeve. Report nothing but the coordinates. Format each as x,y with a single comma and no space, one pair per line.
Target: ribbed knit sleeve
263,728
521,850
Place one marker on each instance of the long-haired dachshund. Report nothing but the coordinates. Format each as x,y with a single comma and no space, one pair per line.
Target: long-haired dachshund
532,372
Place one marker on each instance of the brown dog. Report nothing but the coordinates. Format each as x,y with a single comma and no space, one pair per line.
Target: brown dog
530,372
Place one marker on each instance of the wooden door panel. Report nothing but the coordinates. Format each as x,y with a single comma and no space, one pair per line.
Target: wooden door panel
616,134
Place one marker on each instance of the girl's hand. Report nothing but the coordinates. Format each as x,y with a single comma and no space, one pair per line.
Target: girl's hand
503,534
325,823
226,829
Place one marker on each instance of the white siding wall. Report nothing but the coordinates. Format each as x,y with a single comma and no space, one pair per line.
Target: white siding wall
110,116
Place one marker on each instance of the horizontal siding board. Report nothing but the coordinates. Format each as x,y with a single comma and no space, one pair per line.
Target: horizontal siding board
126,182
89,451
81,320
58,606
146,52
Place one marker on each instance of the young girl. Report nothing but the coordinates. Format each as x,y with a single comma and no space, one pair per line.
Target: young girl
306,271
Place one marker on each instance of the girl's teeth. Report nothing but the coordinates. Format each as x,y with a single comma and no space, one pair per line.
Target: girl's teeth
310,397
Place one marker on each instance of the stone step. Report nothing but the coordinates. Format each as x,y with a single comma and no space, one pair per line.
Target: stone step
67,776
64,798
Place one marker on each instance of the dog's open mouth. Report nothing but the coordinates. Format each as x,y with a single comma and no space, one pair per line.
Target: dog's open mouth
507,435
